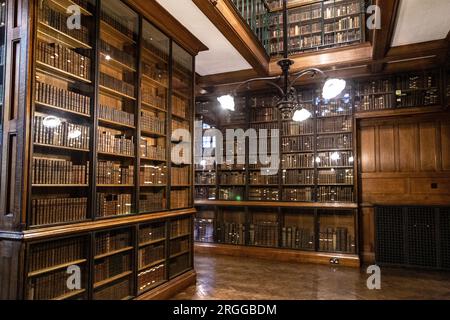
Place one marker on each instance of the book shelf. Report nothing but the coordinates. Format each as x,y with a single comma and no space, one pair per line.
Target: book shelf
107,105
316,25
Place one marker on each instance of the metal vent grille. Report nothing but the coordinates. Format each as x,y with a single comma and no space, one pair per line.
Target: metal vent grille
444,223
421,237
389,232
413,236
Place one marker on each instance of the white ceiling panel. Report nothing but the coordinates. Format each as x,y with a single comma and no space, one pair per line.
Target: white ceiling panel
222,56
421,21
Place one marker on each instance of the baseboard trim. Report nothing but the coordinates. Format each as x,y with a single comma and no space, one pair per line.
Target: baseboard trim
274,254
171,288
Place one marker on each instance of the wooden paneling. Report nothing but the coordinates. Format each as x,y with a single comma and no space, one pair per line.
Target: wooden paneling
405,160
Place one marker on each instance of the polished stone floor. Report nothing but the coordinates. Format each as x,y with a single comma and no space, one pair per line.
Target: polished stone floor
225,278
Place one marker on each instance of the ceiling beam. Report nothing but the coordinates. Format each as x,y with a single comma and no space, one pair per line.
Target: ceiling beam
229,22
382,38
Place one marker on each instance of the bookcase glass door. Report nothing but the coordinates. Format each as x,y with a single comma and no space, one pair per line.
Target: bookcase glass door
62,115
337,231
117,101
204,227
153,120
231,226
298,230
180,246
181,139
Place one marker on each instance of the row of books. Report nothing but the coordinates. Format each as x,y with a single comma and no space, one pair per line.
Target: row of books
342,37
155,231
55,209
231,167
297,29
256,178
118,290
151,175
63,58
232,178
204,230
49,286
123,56
116,84
50,130
152,202
343,24
333,108
180,175
111,266
180,199
150,277
293,237
150,122
114,142
415,82
264,233
263,115
179,264
230,233
335,176
297,161
58,21
298,128
56,253
266,126
153,97
205,178
336,124
231,193
179,245
337,141
335,194
375,102
162,52
116,115
59,172
298,194
337,11
116,22
297,144
335,159
298,177
112,173
336,240
156,73
109,204
177,125
150,151
151,254
62,98
179,107
374,86
263,194
180,227
205,193
111,241
417,98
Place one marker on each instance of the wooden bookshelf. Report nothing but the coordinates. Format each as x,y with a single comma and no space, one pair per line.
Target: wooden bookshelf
91,107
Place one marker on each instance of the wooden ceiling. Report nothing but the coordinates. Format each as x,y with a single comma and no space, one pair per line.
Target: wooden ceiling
376,56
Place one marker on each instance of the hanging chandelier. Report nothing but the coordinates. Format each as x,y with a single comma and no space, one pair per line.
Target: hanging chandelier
287,97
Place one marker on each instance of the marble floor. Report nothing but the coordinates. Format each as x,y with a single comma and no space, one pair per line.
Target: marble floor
226,278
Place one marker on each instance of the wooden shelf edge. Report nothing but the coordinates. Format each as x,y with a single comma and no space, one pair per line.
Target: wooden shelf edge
278,254
171,288
283,204
399,112
85,227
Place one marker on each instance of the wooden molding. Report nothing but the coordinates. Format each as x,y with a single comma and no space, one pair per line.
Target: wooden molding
276,254
154,12
229,22
89,226
171,288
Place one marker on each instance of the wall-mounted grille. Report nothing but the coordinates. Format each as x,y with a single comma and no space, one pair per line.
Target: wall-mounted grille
413,236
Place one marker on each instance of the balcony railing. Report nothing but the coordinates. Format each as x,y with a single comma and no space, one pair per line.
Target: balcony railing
256,14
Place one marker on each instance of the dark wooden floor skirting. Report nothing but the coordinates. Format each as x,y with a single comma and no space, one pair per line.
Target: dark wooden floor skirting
278,254
171,288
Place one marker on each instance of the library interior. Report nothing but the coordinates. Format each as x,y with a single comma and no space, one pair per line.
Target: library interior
224,149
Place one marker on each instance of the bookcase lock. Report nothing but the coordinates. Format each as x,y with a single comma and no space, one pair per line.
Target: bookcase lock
334,261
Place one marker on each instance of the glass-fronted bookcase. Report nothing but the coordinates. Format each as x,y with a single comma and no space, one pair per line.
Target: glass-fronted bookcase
109,93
